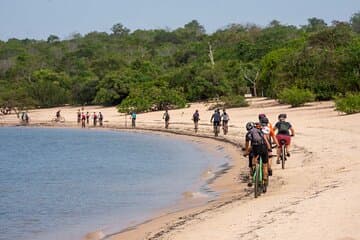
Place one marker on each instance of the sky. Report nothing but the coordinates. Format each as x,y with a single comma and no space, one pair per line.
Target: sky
37,19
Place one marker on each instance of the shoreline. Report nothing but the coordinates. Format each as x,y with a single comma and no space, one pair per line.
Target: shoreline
222,181
317,191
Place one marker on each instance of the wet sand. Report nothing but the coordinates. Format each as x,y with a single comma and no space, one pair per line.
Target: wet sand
316,196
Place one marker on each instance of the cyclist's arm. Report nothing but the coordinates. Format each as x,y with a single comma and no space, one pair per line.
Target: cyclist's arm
247,147
292,131
267,143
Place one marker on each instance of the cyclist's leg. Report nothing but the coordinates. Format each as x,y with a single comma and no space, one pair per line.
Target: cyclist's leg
265,158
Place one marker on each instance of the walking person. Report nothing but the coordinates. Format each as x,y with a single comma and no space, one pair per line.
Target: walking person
133,119
87,117
94,119
225,120
78,116
196,119
166,116
101,118
83,118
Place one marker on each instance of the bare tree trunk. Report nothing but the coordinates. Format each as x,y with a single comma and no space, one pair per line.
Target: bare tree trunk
211,56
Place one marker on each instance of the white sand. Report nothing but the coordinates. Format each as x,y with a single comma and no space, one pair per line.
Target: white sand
316,196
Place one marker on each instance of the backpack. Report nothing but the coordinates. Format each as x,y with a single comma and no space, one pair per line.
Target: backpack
257,137
284,128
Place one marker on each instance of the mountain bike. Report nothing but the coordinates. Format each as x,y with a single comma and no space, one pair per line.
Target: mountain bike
283,153
258,179
216,128
225,127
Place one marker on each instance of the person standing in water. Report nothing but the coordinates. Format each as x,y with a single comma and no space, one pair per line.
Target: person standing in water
94,119
83,118
133,119
87,117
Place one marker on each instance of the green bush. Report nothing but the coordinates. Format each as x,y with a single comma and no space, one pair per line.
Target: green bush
348,104
230,102
295,96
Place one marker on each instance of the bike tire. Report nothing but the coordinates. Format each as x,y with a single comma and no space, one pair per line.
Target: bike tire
283,155
257,181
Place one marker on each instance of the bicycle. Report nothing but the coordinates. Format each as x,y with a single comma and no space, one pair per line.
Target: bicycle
216,128
283,153
58,119
258,179
225,127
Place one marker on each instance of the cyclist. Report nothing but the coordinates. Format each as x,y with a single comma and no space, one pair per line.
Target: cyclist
259,147
196,119
215,119
269,133
283,129
249,126
166,116
225,119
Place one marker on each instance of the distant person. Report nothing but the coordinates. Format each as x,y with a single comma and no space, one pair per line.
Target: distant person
196,119
215,119
83,120
87,117
166,116
283,129
78,116
133,119
94,119
101,118
57,115
225,121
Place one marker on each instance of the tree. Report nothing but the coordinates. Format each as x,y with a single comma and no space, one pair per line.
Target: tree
53,38
355,22
315,24
119,30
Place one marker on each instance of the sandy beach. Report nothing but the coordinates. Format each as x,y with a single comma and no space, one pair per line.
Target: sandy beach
316,196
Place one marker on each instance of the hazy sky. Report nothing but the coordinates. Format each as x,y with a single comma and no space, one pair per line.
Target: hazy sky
40,18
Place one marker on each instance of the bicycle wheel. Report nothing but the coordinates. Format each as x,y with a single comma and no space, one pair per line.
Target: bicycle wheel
283,156
257,181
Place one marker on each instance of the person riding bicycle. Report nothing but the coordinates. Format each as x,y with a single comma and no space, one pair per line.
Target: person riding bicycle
259,147
283,129
215,119
269,133
225,118
196,119
249,126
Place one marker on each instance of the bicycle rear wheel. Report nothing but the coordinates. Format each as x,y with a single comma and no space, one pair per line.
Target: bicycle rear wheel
257,181
283,156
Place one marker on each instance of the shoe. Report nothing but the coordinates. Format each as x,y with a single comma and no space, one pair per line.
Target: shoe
278,161
249,184
270,172
288,154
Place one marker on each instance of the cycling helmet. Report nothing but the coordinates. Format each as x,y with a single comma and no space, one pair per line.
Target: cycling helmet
264,121
266,130
261,115
282,116
249,126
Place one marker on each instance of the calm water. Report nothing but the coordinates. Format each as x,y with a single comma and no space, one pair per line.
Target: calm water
63,183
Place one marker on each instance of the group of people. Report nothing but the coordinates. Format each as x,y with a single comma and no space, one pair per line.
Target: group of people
260,139
84,118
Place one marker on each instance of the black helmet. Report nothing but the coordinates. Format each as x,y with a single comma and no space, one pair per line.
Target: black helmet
282,115
264,121
261,115
249,126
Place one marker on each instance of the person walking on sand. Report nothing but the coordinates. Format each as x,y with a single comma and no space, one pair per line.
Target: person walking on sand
78,116
225,121
166,116
94,119
101,117
83,118
87,117
196,119
133,119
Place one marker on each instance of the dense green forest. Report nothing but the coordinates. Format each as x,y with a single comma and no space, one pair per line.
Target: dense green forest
154,69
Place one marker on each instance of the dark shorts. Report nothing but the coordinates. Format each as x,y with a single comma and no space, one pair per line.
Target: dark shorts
286,138
216,124
251,155
261,151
